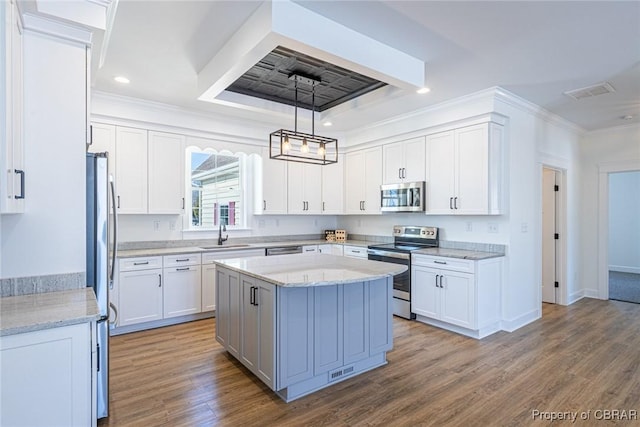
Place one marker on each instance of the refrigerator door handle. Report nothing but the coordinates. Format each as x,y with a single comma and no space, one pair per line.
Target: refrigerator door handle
114,248
115,310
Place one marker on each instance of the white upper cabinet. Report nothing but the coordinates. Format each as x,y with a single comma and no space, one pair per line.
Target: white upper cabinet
131,180
166,173
103,140
465,170
271,186
363,179
333,187
304,193
404,161
12,182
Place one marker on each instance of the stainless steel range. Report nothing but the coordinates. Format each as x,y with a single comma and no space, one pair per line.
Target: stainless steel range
406,240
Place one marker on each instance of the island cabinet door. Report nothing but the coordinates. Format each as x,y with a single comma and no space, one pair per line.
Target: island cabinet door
228,313
328,328
380,311
257,348
295,335
356,322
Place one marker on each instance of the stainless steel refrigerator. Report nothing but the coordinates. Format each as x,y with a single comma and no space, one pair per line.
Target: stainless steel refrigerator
101,253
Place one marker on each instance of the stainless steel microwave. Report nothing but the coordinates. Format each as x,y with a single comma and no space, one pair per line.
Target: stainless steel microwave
403,197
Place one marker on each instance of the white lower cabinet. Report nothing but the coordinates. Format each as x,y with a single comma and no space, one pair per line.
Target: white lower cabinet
331,249
139,290
182,292
461,295
47,377
354,251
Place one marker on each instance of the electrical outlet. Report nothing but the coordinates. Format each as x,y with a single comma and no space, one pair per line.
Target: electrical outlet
156,225
359,223
469,226
315,222
524,227
261,223
172,225
277,223
492,227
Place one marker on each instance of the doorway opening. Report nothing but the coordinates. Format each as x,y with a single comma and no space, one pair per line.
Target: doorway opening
624,236
550,235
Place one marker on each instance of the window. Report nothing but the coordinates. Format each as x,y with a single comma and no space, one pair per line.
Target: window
216,189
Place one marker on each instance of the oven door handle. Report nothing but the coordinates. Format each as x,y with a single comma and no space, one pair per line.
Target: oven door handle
388,254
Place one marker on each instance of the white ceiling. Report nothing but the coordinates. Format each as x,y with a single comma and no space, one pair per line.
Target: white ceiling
536,50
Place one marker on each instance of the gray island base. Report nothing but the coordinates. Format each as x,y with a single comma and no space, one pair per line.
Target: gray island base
301,323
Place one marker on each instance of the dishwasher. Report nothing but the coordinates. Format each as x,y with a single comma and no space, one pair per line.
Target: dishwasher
283,250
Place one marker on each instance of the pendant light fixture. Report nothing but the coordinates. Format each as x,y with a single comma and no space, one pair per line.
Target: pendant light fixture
294,146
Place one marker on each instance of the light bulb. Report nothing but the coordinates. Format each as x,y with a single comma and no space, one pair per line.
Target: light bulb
286,145
305,146
321,150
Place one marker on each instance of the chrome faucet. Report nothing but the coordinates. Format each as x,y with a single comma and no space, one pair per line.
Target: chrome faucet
223,227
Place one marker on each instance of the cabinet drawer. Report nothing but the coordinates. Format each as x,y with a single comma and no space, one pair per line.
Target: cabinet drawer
455,264
140,263
309,249
355,251
208,257
181,260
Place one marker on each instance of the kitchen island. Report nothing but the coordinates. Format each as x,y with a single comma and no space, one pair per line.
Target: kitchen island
301,323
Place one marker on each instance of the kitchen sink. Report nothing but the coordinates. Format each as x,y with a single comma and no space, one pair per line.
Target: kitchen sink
207,248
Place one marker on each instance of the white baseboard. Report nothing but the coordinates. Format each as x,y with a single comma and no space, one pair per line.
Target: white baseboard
520,321
624,269
576,296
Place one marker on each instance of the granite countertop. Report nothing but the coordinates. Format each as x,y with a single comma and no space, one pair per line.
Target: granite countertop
231,247
34,312
458,253
302,270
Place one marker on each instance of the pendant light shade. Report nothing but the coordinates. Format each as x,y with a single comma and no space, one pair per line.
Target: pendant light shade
302,147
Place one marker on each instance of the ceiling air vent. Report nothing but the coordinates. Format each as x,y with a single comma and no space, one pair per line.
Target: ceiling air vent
591,91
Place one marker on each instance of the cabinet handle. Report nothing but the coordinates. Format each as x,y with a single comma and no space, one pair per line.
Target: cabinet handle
21,173
159,280
118,202
182,269
356,252
264,205
90,135
437,275
439,262
404,173
322,206
183,203
399,173
441,276
141,263
455,203
450,202
364,205
182,260
255,296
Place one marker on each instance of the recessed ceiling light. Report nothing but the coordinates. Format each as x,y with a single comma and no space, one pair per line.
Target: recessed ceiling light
121,79
627,117
327,123
423,90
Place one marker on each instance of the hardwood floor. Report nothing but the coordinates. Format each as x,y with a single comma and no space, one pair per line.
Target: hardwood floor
577,358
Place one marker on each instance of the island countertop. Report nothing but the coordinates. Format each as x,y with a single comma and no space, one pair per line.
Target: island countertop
302,270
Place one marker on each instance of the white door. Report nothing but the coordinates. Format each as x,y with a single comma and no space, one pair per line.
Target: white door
440,186
140,296
296,203
457,299
471,176
355,182
166,173
414,160
333,187
131,180
393,162
425,293
549,241
273,185
182,291
373,180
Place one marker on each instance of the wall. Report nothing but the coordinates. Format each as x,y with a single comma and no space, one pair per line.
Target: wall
49,238
607,149
624,222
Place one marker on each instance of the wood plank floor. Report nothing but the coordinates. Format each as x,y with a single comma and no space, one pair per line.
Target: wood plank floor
577,358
